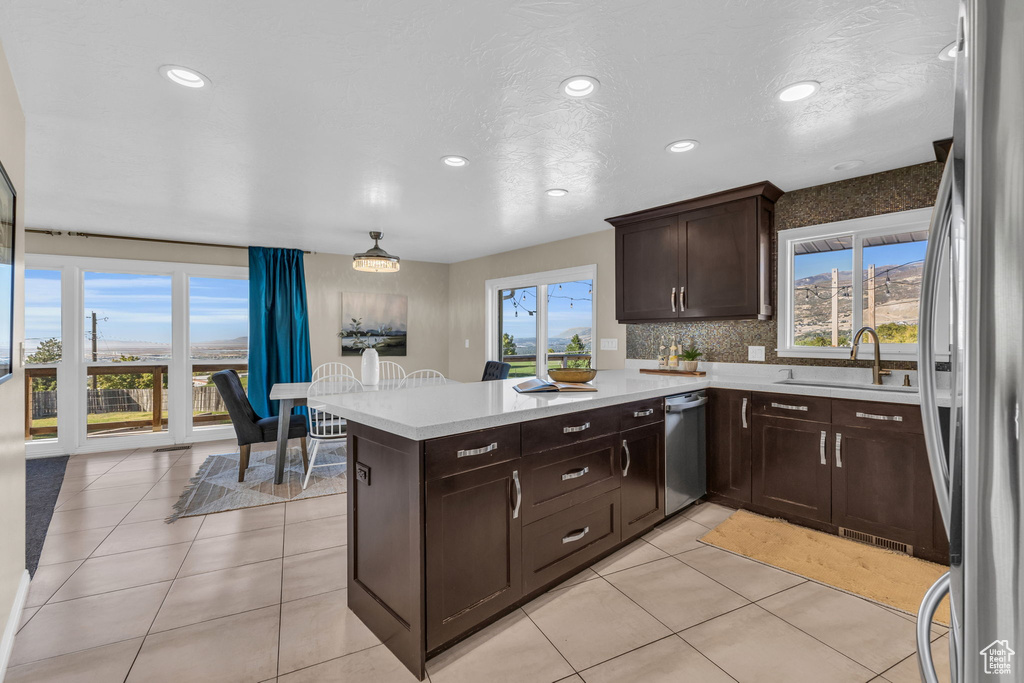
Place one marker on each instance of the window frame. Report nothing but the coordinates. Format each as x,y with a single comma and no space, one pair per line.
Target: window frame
858,229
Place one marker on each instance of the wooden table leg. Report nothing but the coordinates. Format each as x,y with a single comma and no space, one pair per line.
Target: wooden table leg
284,417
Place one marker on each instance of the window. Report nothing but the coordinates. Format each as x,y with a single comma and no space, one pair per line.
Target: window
218,321
542,320
838,277
43,351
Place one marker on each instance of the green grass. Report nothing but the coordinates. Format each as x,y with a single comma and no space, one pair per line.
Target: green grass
103,418
528,368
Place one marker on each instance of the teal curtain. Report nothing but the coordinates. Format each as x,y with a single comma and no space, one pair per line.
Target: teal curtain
278,324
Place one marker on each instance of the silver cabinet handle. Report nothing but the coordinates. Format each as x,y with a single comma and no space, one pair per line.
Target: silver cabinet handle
519,494
743,412
575,474
871,416
839,449
672,298
643,413
682,299
569,430
783,406
477,451
576,535
629,458
821,446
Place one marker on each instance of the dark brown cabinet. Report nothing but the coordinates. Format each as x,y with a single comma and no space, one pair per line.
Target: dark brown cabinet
704,258
790,469
728,443
642,485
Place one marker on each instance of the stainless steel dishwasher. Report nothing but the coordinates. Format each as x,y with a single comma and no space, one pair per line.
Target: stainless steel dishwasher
685,460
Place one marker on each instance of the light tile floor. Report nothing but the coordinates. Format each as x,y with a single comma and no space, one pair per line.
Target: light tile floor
259,595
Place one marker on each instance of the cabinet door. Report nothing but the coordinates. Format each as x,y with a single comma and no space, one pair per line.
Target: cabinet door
646,270
474,548
718,261
792,470
642,484
728,443
881,484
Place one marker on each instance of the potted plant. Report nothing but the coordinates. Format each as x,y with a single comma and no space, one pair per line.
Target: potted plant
689,359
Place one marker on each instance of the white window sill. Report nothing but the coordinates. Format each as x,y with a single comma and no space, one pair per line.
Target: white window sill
865,353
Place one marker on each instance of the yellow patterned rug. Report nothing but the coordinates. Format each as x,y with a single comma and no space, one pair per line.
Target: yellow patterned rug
883,576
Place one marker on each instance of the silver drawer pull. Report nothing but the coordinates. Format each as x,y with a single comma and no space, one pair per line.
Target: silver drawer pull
576,535
477,451
519,494
821,447
575,474
743,413
872,416
569,430
788,407
643,413
839,449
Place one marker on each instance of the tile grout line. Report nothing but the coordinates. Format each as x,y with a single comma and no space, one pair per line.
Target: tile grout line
280,604
536,626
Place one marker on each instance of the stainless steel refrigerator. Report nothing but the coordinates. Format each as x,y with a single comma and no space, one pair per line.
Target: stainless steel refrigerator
978,225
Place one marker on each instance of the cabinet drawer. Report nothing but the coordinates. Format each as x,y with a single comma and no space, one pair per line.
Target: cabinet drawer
559,544
813,408
890,417
564,430
555,480
464,452
642,413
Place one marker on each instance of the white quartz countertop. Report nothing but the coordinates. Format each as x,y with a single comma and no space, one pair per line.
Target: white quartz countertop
435,411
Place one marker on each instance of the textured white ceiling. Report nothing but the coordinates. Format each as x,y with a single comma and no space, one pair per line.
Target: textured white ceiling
327,118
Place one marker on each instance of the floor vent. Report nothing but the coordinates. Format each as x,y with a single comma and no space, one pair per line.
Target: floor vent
179,447
876,541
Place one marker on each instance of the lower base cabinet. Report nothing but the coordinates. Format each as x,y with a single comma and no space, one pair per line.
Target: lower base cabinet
643,478
791,471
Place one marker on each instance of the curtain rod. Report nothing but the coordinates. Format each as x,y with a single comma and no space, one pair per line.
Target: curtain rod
69,233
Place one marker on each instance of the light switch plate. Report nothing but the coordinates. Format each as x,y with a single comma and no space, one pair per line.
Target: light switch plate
610,344
755,353
467,343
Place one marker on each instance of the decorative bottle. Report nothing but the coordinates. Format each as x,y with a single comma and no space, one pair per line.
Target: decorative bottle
673,355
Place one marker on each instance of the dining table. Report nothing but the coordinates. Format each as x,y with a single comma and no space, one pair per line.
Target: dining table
292,394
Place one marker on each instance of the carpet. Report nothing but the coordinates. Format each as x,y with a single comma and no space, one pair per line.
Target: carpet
215,487
43,479
882,576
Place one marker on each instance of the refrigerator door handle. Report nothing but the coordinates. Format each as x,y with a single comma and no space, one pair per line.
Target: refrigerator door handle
930,603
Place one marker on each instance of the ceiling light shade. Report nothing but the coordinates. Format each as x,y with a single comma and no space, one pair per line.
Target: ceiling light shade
799,91
557,192
375,259
681,146
190,78
948,53
579,86
847,165
454,160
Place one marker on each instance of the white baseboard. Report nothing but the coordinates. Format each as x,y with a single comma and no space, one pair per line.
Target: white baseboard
13,621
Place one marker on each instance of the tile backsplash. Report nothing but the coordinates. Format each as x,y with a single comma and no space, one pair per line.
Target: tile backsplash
902,189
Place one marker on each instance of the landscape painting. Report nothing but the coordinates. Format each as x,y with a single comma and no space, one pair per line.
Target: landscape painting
7,198
378,321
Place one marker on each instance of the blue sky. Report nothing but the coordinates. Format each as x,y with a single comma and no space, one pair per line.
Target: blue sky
806,265
219,309
561,316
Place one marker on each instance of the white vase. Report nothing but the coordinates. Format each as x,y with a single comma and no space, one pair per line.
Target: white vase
371,368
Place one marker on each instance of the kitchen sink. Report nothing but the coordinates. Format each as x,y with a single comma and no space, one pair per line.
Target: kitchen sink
848,385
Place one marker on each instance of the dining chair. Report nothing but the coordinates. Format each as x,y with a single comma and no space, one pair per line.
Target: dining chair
333,369
422,378
323,425
494,369
391,371
249,427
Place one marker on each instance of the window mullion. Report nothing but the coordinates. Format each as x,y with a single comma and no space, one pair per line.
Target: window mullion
542,330
857,277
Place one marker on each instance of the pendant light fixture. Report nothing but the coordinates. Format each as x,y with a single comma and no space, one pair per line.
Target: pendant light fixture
375,259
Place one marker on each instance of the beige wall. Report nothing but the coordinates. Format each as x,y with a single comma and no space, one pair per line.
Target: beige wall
467,304
12,392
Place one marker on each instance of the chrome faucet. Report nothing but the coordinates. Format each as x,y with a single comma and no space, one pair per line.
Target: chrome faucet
876,368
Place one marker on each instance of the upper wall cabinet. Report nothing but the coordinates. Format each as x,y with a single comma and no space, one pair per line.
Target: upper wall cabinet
701,259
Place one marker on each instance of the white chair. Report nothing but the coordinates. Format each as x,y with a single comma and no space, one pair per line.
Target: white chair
391,371
333,369
325,426
422,378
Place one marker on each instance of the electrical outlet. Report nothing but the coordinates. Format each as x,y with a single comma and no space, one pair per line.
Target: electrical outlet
362,473
609,344
755,353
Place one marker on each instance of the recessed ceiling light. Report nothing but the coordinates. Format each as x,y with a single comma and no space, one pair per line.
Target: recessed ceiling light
799,91
190,78
847,165
948,53
681,146
579,86
455,160
557,192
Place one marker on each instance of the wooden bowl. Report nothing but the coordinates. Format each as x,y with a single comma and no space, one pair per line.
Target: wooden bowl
572,374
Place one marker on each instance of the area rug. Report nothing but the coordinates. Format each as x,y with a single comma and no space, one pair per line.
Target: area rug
883,576
216,488
43,479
